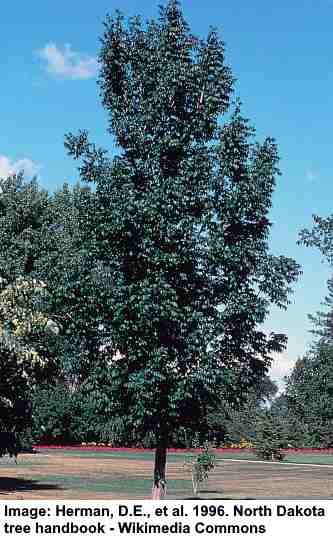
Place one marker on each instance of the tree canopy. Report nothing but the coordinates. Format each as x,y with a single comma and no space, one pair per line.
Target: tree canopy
179,228
309,394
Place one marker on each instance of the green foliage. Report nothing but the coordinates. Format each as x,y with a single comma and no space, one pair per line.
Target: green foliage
320,237
23,331
205,462
200,465
23,212
323,320
38,234
309,396
232,423
53,412
158,277
179,227
270,437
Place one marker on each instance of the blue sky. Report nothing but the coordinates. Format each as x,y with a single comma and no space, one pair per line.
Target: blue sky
281,54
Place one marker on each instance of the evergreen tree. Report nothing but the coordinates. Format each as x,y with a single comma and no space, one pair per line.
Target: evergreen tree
270,436
309,395
323,320
321,237
180,229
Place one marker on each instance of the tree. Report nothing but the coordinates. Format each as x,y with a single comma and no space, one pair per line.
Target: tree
39,234
321,237
323,320
270,437
310,398
22,354
180,226
73,277
240,423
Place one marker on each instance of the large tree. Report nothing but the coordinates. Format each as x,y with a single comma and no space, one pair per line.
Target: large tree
180,228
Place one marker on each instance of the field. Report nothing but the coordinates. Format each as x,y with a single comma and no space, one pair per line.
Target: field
59,474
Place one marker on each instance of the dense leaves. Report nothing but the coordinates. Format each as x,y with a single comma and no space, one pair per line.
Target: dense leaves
270,437
181,226
309,394
159,277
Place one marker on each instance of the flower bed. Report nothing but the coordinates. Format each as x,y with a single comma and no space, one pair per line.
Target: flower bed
220,450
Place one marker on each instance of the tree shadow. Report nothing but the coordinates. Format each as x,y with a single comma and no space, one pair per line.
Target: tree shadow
213,492
14,484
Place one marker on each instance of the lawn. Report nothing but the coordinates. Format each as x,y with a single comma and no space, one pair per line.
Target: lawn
58,474
292,458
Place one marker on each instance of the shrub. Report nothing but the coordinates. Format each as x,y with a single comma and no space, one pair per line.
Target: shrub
270,437
200,465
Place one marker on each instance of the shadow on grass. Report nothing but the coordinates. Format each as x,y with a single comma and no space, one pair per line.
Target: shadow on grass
213,497
14,484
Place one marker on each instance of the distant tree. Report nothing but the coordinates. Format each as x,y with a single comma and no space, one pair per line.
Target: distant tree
309,395
23,212
321,237
180,229
53,413
23,328
323,320
75,280
270,436
229,423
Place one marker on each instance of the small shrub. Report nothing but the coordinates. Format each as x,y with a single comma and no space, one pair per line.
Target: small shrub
200,466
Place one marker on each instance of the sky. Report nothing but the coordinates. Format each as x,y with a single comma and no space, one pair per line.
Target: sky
281,55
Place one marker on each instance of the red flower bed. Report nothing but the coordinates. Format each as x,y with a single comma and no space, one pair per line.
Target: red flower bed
140,450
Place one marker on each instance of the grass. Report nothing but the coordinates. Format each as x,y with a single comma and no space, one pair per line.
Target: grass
118,476
137,455
300,458
297,458
114,485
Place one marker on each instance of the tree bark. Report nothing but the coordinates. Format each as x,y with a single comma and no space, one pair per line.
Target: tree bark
159,486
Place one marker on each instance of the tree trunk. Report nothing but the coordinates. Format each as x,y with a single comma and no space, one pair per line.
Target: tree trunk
159,486
195,483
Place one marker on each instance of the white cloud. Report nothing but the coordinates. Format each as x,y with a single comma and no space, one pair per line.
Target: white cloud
65,63
9,167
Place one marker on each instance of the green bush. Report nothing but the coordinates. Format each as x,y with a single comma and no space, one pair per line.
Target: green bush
200,466
270,437
53,411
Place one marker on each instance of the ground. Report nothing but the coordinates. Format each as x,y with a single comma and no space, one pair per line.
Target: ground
84,475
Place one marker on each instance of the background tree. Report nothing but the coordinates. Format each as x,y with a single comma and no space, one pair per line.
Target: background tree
240,423
39,247
23,325
309,394
270,436
321,237
23,212
180,226
323,320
